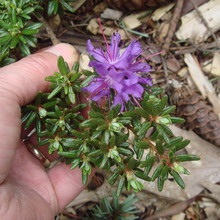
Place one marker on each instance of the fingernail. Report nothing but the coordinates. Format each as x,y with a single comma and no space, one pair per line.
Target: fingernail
67,51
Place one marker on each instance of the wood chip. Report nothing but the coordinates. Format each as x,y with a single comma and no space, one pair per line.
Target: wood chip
160,12
112,14
216,64
93,26
193,29
197,75
131,21
201,82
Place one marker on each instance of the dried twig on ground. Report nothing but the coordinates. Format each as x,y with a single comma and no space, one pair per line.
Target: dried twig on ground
173,24
197,47
172,210
50,32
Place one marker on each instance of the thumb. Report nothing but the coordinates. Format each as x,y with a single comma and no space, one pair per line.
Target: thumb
19,84
25,78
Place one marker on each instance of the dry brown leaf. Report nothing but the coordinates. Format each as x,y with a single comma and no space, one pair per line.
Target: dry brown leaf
173,64
213,213
172,210
214,189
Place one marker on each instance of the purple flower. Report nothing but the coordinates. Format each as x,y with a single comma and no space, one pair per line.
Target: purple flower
118,74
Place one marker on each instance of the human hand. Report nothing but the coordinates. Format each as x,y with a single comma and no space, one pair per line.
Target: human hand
27,190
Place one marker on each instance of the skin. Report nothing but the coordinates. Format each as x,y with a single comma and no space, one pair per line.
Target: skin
27,190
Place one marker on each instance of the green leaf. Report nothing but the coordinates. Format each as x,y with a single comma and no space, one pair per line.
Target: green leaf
31,41
70,154
62,65
28,10
67,6
112,179
180,145
160,183
96,134
106,137
142,112
178,178
143,129
5,39
75,76
50,104
159,147
132,164
93,122
75,163
163,133
22,39
177,120
54,92
141,144
186,157
148,164
52,7
140,174
125,151
96,153
174,141
87,81
71,142
104,161
84,178
14,42
24,49
157,172
161,105
31,29
156,91
165,120
71,95
121,185
31,118
113,113
167,110
94,114
75,67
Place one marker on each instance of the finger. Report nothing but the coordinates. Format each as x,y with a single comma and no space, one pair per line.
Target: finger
24,79
19,83
67,183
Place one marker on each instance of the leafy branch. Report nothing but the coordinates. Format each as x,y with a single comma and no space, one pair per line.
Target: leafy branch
134,146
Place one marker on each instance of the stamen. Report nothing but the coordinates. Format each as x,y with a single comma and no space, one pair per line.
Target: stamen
100,88
136,101
155,54
103,35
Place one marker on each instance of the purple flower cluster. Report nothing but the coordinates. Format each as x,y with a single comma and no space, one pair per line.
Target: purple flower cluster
118,74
